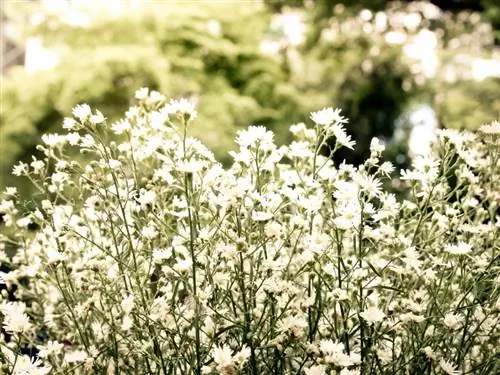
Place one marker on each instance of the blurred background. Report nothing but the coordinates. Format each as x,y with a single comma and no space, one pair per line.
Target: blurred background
398,69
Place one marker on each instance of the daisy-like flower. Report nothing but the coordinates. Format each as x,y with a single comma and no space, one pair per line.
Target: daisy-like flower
15,317
330,346
69,123
11,190
82,111
121,126
452,321
315,370
223,356
254,135
182,106
97,118
261,216
448,367
142,93
376,146
327,116
493,128
372,315
370,185
342,137
25,365
52,347
460,248
75,356
20,169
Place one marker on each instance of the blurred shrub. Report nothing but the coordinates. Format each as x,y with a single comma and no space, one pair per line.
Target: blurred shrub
213,53
465,104
206,54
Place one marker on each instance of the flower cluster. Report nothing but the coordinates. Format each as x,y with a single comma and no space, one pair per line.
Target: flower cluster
151,257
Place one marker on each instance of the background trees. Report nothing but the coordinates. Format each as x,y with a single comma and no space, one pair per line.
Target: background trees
257,64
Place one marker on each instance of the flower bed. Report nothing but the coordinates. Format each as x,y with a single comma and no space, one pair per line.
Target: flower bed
152,258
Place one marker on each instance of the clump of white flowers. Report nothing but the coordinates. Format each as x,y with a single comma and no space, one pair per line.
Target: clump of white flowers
151,258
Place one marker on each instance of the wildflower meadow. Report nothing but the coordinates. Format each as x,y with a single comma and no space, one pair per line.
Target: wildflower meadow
150,257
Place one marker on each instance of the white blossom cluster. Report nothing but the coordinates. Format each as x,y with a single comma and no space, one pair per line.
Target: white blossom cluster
151,258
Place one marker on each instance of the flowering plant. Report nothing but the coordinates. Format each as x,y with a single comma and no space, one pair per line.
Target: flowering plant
151,258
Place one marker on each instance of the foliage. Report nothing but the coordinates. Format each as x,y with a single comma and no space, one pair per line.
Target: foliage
212,52
153,258
223,68
465,104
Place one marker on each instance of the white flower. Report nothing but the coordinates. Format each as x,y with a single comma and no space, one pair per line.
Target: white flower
127,323
142,93
327,116
147,197
10,190
149,232
460,248
15,318
69,123
387,168
75,356
97,118
315,370
261,216
182,107
373,315
297,128
127,304
223,356
82,111
254,135
429,352
121,126
346,371
493,128
73,138
376,146
448,367
29,366
330,347
20,169
452,321
342,137
242,355
191,166
156,97
52,347
161,254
